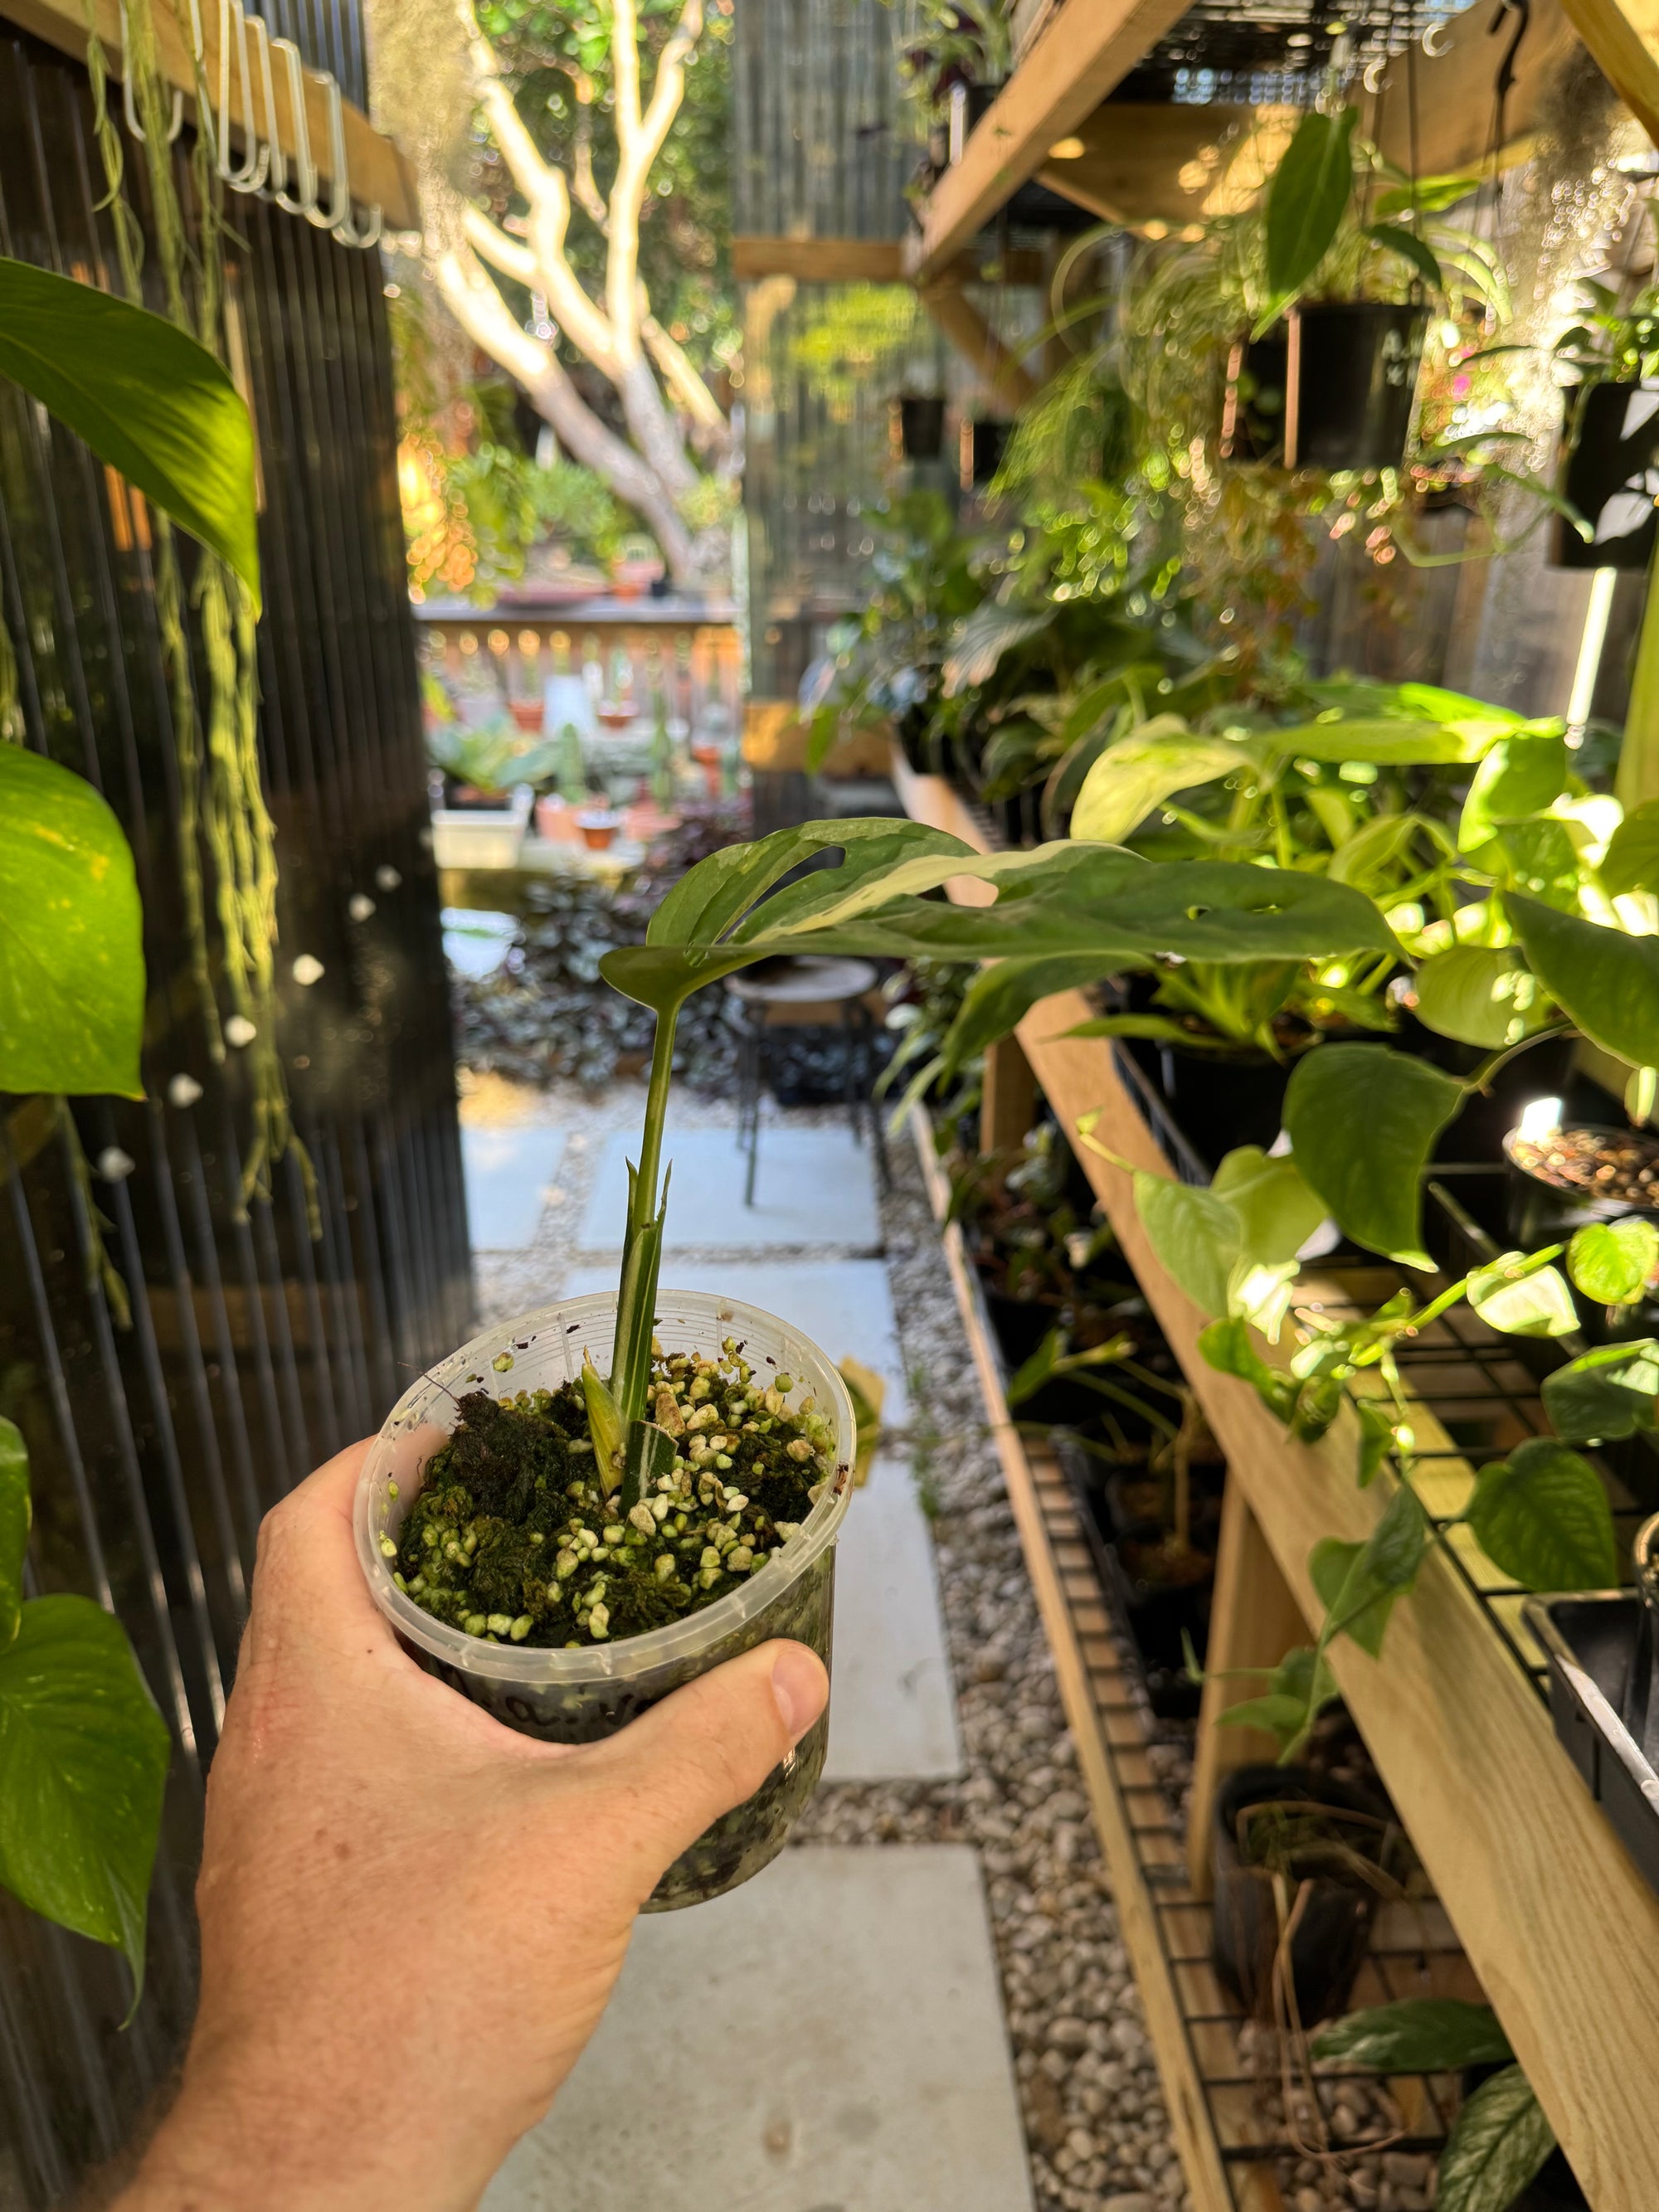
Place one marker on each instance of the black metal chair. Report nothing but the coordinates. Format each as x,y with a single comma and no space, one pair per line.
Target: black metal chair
777,995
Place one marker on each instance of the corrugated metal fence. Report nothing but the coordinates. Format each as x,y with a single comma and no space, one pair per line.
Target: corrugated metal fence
253,1352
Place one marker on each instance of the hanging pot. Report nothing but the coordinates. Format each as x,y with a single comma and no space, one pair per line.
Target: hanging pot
1253,412
1351,378
986,442
922,426
1610,473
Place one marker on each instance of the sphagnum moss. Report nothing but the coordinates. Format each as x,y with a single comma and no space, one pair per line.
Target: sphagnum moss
514,1540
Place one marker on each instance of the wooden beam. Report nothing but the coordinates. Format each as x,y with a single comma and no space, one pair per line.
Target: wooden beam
1623,35
1083,50
1008,1105
1006,379
380,175
1149,162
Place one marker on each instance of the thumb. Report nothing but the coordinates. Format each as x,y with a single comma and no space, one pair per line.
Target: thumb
673,1771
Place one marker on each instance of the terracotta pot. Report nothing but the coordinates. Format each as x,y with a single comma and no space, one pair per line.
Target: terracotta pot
598,826
527,713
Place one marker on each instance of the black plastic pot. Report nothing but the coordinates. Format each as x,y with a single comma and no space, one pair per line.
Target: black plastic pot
1477,1133
1219,1099
1610,473
988,441
1335,1924
1351,375
922,426
1253,412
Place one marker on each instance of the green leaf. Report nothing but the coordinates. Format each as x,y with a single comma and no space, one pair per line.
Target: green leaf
1499,2142
1395,238
1276,1211
1193,1233
1331,1565
1418,2035
1226,1347
1541,1516
72,946
983,639
1428,196
83,1762
15,1514
1307,200
1614,1261
1523,1300
1391,741
1608,982
1033,1372
1519,777
605,1422
1138,773
1630,862
1298,1689
999,998
1480,994
648,1454
1377,1427
145,397
1363,1120
1608,1394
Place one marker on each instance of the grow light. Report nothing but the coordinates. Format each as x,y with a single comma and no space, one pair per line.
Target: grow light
1540,1120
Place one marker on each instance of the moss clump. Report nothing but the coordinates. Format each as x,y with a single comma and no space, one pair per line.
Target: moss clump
514,1538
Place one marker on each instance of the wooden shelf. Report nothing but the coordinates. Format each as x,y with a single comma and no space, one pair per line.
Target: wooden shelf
1559,1927
1216,2112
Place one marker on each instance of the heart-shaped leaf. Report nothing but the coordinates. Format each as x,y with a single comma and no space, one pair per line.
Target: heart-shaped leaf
1523,1300
1614,1261
1608,982
1630,862
1609,1394
1276,1211
1542,1516
1331,1567
1498,2143
1362,1121
1520,776
1193,1233
1138,773
1480,994
1418,2035
71,950
145,396
84,1763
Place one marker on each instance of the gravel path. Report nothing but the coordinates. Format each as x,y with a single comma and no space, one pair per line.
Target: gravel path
1095,2127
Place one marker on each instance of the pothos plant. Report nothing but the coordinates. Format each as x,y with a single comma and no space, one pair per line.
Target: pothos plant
1087,902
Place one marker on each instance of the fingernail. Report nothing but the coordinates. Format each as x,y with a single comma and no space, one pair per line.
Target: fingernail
801,1687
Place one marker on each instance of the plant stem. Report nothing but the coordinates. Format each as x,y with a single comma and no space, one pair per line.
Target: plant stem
656,1113
1483,1074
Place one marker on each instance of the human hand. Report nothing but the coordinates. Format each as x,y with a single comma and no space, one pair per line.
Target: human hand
411,1917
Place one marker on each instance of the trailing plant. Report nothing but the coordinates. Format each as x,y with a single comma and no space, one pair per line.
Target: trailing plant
1500,2140
84,1751
953,42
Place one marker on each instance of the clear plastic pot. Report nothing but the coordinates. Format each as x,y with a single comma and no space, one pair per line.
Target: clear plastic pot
579,1696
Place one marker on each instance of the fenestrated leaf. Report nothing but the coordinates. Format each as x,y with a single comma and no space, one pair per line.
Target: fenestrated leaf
1608,982
1630,862
1498,2143
1542,1516
1276,1211
1193,1233
1523,1300
1138,773
1614,1261
1307,200
1362,1122
1480,994
145,396
1610,1393
83,1761
14,1526
71,949
1418,2035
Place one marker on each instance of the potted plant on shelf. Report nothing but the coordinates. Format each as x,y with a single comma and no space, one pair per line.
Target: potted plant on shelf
533,1523
490,774
1609,467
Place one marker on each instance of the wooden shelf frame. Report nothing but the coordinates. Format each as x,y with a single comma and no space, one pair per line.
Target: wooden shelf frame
378,174
1560,1928
1228,2148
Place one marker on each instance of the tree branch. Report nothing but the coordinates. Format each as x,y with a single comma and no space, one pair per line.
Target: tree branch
503,252
686,384
518,149
625,71
479,307
639,143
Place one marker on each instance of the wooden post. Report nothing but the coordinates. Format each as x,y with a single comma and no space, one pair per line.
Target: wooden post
1010,1098
1638,779
1254,1622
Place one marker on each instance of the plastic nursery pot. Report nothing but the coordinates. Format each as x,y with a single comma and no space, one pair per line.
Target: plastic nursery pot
1219,1100
1546,1201
1334,1925
581,1695
598,826
1253,410
922,426
984,445
1351,374
1478,1130
1610,473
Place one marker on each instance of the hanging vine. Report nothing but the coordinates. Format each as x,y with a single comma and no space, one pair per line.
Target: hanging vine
222,802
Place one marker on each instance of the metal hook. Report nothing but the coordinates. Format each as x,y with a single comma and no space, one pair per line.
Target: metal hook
1433,31
252,173
305,168
177,123
1372,75
337,219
